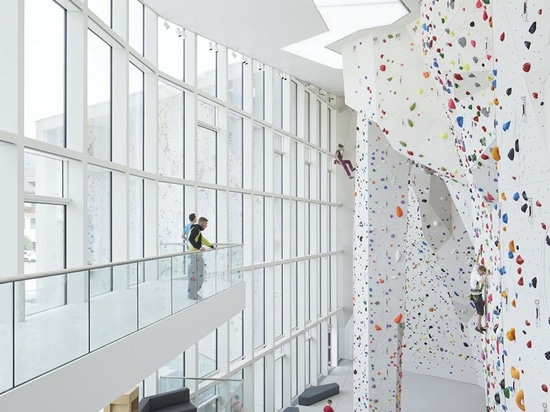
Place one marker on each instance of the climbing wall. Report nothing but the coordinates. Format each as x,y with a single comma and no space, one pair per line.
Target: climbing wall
379,270
462,94
521,40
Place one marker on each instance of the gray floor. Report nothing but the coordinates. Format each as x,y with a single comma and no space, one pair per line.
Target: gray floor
421,393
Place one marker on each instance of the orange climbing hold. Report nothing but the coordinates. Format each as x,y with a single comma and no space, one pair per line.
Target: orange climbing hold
398,318
511,246
377,326
511,334
399,211
495,153
520,400
514,372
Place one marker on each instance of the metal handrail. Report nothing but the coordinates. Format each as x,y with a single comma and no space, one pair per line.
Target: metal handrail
39,275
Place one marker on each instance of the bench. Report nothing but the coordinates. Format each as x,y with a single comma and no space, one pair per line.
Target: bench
172,401
315,394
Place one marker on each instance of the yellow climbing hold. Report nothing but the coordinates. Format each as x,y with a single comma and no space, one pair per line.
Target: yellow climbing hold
511,246
495,153
519,400
503,196
511,334
514,372
444,135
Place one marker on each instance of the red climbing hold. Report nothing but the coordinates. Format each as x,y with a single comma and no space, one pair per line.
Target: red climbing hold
451,104
544,387
526,67
399,211
519,260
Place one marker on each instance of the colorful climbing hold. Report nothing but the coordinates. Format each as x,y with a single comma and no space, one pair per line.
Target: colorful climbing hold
520,400
398,211
511,334
515,373
495,154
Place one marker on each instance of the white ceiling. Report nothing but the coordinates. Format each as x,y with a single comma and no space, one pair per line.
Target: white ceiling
260,29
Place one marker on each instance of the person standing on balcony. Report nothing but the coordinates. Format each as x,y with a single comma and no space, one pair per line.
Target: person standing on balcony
188,226
197,242
346,163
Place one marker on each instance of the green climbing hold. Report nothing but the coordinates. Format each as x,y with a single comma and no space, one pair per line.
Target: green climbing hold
411,124
413,106
402,143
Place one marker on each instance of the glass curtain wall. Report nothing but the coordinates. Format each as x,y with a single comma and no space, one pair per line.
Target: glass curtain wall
246,146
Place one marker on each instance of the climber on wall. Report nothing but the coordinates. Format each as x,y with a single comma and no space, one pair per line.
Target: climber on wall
346,163
478,283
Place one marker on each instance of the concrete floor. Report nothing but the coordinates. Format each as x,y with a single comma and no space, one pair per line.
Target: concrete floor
421,393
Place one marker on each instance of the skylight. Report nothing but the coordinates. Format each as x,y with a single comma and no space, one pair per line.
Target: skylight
344,17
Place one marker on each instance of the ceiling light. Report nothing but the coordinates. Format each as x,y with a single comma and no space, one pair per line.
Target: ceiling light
181,32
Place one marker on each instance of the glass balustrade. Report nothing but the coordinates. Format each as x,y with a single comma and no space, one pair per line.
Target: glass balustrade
102,304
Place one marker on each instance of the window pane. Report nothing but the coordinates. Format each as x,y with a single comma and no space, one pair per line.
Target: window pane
99,215
278,311
258,91
135,218
45,88
206,155
102,8
278,228
307,116
170,217
235,213
236,350
173,368
293,296
99,97
43,175
259,385
235,149
259,229
135,123
170,131
206,65
259,307
136,22
235,79
258,156
293,168
207,113
171,48
277,100
278,172
279,385
206,203
208,354
293,107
